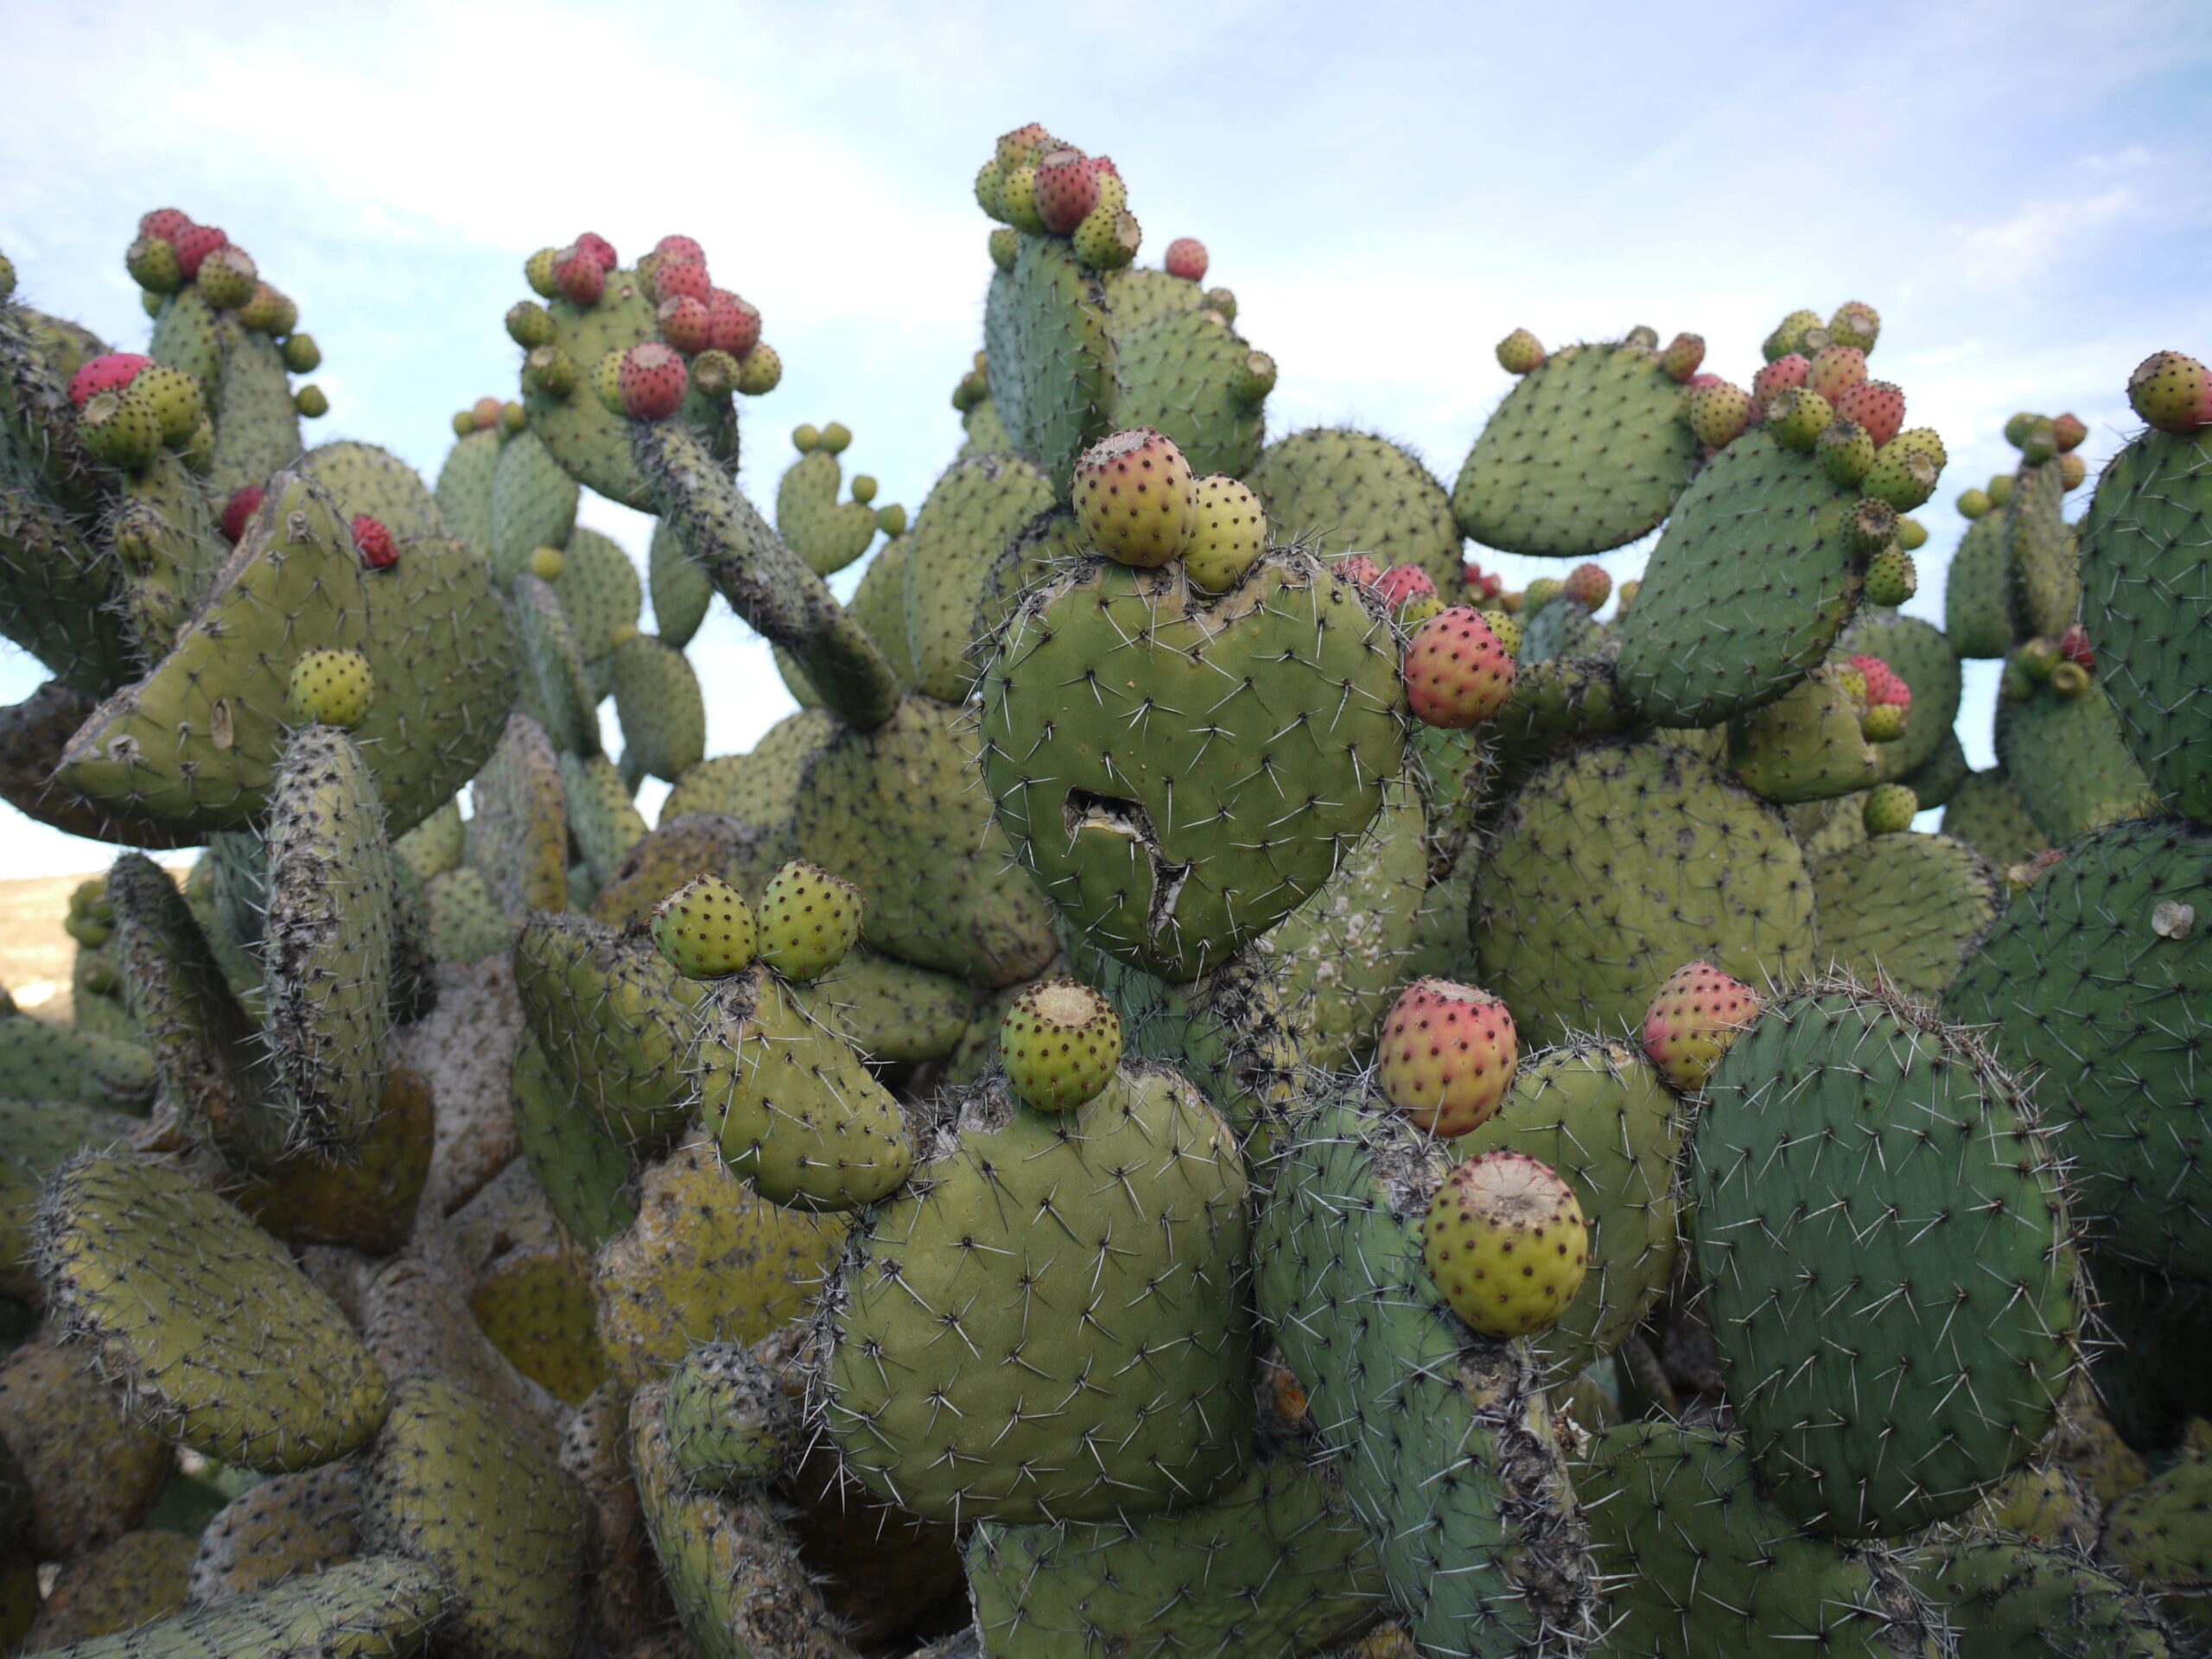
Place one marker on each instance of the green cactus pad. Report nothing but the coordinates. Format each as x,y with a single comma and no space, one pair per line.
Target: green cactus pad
1340,491
1986,812
165,524
1907,909
1850,1139
1279,1565
556,690
1050,355
1588,451
2157,1536
1107,1243
1749,587
598,592
2007,1597
257,423
986,433
187,1303
740,1588
2149,597
2045,563
1448,1452
517,838
38,1061
1599,1114
36,1137
584,1172
1567,700
92,1470
2069,762
1935,779
464,489
592,444
1229,1032
435,845
365,1200
878,605
707,1260
602,817
326,941
1562,628
447,1484
2096,980
196,743
1227,753
1185,373
286,1526
1977,590
658,699
1804,746
1613,866
1923,658
890,1010
678,588
533,506
384,1608
951,596
614,1020
362,478
896,812
1698,1561
729,1418
828,534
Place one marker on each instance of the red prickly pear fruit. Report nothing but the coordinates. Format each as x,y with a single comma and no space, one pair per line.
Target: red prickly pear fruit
1478,583
1358,567
1720,414
1401,582
1067,190
1519,353
379,551
2074,645
1186,258
1877,405
1505,1243
193,243
1835,369
681,282
1695,1017
167,223
1134,497
1015,147
239,511
1683,353
578,276
1885,687
1447,1056
1456,672
652,382
680,250
600,250
2171,391
2068,432
2072,470
486,412
1781,375
110,373
732,324
685,325
1588,586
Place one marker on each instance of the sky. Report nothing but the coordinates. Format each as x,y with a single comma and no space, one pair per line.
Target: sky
2023,190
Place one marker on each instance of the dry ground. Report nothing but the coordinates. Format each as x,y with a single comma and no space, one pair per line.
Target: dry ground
36,954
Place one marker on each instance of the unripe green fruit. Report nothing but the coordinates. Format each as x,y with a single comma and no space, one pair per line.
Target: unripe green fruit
173,395
1904,477
1798,416
760,370
302,354
1107,238
1889,809
310,402
530,324
1060,1042
332,687
836,437
538,271
546,564
1231,533
892,520
1018,197
805,437
606,383
1846,452
120,429
153,266
1519,352
1911,534
1891,579
1004,243
809,920
705,928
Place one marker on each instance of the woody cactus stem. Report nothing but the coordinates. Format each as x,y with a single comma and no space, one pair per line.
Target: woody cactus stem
766,583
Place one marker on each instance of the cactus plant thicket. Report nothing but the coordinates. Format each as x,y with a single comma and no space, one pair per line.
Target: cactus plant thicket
1223,1086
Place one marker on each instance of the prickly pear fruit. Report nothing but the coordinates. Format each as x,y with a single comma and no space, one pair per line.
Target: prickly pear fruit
1683,353
1457,673
1067,190
120,427
1507,626
1889,809
809,920
1447,1056
578,277
2074,645
111,373
1506,1243
1060,1042
1519,352
332,687
1903,475
1186,258
1134,497
1403,583
1877,405
705,928
1891,577
372,539
1797,417
1539,591
239,511
652,381
1694,1019
1105,238
1835,369
2069,680
2068,431
1789,335
686,279
1855,324
1006,241
1588,586
1720,414
733,323
1778,377
759,371
547,563
1846,452
2171,391
1230,533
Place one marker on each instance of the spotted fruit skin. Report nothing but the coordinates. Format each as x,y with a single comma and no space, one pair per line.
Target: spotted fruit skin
1695,1019
1506,1243
1447,1056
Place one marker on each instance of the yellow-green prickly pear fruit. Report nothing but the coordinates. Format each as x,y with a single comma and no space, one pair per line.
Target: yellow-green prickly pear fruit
332,687
1061,1043
1230,534
705,928
1506,1243
809,920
